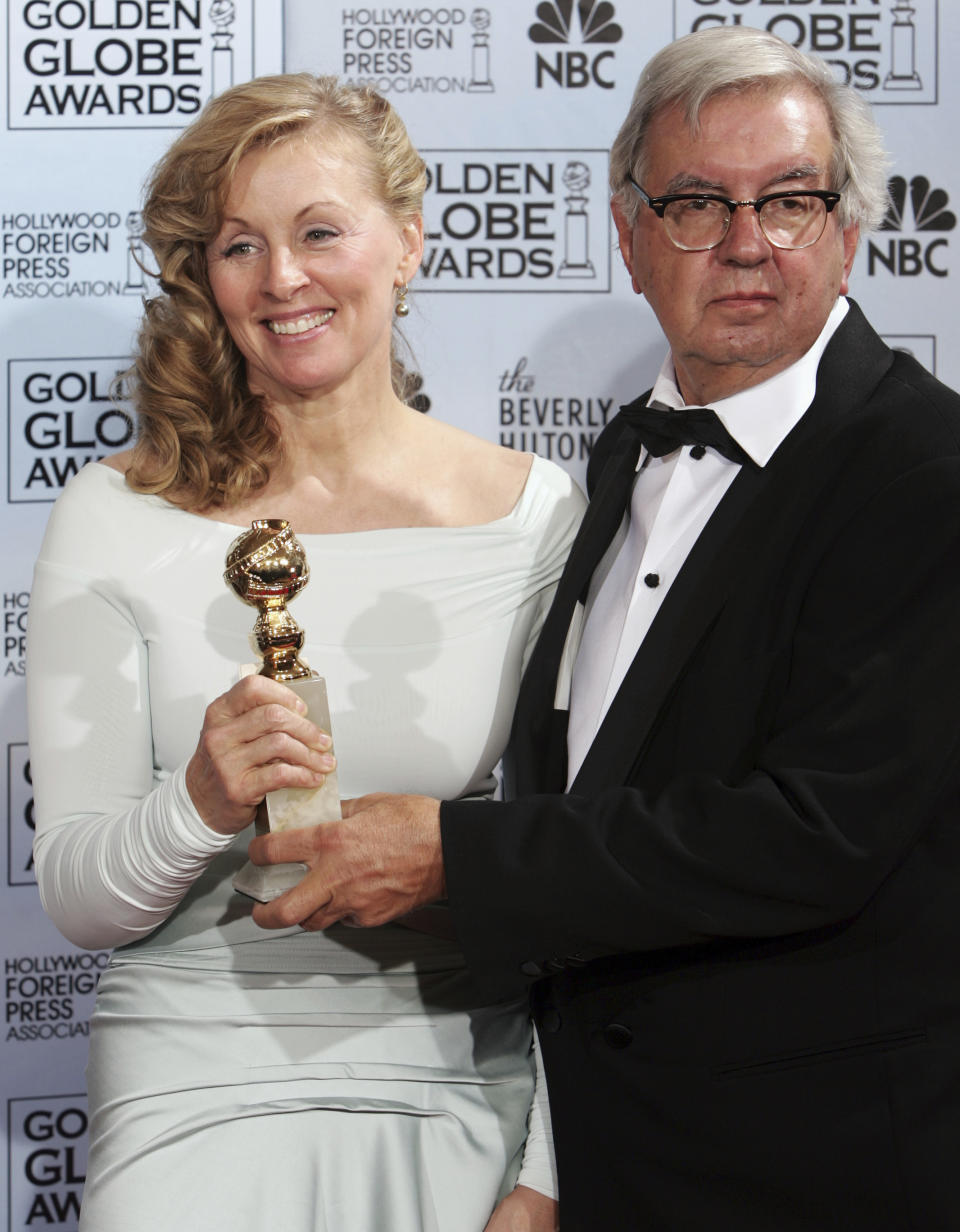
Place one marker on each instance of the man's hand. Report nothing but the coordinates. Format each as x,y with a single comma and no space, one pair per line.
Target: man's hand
381,861
524,1210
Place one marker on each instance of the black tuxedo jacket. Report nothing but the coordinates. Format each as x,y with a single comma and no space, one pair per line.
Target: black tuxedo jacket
742,923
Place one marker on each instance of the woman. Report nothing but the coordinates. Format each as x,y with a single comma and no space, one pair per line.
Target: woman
348,1080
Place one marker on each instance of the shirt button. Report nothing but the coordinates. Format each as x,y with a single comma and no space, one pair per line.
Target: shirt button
616,1035
698,451
550,1021
652,580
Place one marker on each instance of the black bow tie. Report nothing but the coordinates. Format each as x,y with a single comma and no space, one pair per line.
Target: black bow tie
662,430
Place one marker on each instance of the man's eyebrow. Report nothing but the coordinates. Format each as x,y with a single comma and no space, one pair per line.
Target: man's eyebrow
688,182
692,183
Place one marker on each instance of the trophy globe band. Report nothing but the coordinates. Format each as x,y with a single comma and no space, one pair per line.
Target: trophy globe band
267,567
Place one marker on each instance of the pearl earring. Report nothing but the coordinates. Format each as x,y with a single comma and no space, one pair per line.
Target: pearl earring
402,308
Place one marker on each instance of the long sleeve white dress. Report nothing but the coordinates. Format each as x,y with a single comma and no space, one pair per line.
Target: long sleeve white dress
347,1081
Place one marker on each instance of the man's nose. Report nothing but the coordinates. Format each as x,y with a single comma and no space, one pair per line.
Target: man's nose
745,241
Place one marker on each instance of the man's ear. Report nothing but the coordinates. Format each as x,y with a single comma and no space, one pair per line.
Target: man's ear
851,238
625,239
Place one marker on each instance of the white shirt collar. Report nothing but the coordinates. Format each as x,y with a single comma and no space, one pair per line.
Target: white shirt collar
759,418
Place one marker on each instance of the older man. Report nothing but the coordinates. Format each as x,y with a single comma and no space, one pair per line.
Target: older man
731,871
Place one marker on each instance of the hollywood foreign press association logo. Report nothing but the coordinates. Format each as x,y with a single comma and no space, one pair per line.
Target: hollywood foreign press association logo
563,22
73,253
411,49
906,256
480,82
50,997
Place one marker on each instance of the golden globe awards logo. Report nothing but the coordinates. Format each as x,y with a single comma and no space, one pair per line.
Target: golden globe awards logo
123,63
516,220
62,415
888,51
47,1161
416,49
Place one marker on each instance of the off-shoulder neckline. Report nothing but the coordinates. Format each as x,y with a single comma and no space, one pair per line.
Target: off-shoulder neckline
523,501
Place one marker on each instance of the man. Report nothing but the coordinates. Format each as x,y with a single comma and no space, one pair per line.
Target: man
731,876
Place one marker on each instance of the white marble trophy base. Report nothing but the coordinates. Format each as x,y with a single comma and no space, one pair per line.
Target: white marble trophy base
292,808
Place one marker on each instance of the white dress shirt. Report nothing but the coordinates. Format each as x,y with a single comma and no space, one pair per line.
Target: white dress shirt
673,499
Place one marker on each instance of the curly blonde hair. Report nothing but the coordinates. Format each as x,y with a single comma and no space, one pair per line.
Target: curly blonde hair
204,440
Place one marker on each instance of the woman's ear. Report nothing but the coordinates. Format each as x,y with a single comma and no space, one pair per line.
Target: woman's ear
411,237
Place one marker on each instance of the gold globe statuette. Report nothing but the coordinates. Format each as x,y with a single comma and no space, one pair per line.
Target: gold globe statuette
267,567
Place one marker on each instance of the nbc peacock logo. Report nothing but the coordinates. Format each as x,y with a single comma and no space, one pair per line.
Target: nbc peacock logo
556,22
928,205
588,22
906,256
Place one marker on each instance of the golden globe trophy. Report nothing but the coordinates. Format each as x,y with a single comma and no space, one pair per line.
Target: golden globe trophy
266,567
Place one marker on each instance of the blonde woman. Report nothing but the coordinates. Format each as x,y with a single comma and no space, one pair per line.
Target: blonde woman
349,1081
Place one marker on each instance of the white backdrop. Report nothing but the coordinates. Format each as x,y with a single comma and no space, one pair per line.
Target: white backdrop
523,328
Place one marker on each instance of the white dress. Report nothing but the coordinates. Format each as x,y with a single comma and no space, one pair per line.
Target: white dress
240,1079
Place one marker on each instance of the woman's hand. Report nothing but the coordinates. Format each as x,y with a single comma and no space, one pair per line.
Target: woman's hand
524,1210
255,739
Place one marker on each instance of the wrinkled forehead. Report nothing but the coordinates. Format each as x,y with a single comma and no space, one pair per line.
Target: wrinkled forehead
781,131
755,97
329,147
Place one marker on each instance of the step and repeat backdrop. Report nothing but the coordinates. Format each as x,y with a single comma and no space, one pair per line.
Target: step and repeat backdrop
523,326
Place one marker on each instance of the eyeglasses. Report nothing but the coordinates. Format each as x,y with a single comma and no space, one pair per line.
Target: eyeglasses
697,222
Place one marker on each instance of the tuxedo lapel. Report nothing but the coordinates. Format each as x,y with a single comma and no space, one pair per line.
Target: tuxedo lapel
853,363
605,512
538,727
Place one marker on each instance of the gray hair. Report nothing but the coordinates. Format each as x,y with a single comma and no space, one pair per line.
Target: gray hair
733,59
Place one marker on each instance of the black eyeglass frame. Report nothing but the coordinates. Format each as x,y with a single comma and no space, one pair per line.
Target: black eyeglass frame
829,197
